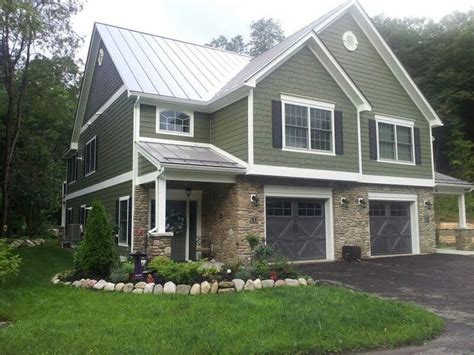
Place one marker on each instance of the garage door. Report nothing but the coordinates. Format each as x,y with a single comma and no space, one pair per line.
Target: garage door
296,228
390,228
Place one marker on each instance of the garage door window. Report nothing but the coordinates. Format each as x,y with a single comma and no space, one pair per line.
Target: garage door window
310,209
278,208
377,209
398,210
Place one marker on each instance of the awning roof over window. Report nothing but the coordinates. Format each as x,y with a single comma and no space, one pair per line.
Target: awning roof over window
176,155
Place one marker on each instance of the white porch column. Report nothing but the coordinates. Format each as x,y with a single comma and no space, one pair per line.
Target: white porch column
462,211
160,208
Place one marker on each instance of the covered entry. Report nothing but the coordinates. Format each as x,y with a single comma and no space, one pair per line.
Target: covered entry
298,222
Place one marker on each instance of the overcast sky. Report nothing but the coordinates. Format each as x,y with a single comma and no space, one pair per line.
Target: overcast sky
200,20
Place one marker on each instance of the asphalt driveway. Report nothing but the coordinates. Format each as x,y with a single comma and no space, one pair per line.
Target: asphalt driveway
442,283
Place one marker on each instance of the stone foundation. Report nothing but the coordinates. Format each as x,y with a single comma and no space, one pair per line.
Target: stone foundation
464,239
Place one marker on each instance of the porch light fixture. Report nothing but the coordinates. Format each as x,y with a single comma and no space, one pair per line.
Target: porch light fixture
428,204
188,190
344,202
254,199
361,202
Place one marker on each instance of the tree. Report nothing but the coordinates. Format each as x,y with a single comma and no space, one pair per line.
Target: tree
28,28
96,255
9,262
264,34
235,44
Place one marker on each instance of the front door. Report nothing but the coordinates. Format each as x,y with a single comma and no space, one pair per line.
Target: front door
296,228
390,227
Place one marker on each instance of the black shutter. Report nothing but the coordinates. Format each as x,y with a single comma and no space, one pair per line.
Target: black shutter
373,139
96,151
277,124
117,224
84,160
416,132
338,132
129,221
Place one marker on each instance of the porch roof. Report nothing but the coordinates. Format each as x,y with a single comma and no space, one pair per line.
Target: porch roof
190,156
443,179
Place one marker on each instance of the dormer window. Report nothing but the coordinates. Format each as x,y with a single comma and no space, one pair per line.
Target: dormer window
174,122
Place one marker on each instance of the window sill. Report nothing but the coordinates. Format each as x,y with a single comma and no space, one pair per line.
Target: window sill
122,244
400,162
89,174
308,151
71,183
171,133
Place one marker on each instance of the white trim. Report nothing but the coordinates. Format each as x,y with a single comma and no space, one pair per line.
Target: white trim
188,175
119,179
250,144
143,179
84,163
160,205
359,141
462,211
395,122
124,198
394,64
315,174
308,104
308,192
413,199
136,133
103,108
160,109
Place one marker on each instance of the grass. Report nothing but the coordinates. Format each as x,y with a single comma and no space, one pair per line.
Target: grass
446,208
59,319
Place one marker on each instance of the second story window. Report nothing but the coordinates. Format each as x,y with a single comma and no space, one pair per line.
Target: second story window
309,126
175,122
395,141
72,169
90,156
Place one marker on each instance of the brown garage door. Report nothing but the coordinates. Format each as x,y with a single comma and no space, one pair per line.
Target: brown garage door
390,228
296,228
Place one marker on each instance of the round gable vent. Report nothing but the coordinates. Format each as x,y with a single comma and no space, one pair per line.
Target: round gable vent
350,41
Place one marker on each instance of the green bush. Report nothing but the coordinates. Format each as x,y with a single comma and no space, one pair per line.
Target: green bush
253,240
96,255
245,273
263,252
262,270
179,272
121,272
9,262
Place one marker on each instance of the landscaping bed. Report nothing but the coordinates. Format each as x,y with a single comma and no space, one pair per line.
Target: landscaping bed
47,319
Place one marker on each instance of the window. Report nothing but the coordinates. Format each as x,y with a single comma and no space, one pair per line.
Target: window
72,169
69,216
376,209
308,125
310,209
399,210
395,141
83,214
123,220
175,122
90,156
278,208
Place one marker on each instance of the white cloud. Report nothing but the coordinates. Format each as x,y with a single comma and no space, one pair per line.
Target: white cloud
201,20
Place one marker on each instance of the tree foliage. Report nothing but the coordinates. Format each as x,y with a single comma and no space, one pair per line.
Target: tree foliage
264,34
9,262
96,255
440,58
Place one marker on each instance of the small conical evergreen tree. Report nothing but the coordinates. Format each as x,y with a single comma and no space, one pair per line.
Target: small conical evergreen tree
96,255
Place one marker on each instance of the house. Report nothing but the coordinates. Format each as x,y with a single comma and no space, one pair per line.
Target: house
320,142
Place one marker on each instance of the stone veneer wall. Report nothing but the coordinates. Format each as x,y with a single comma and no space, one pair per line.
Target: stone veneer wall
140,218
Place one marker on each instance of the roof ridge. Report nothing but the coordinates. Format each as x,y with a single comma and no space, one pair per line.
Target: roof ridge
173,39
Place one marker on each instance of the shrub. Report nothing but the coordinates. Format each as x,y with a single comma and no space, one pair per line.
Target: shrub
253,240
121,273
178,272
245,273
282,267
262,269
263,252
96,255
127,267
9,262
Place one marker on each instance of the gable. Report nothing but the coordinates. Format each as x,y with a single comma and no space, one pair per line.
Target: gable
105,82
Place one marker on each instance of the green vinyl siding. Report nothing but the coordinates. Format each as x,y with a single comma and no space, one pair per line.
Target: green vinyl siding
303,75
148,126
144,166
385,93
108,197
229,129
114,131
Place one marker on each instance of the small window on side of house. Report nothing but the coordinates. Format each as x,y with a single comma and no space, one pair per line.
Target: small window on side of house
123,219
395,141
174,121
72,169
90,156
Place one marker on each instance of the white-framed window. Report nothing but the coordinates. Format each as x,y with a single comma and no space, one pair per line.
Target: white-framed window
83,214
90,156
308,125
123,220
69,216
395,140
72,169
171,120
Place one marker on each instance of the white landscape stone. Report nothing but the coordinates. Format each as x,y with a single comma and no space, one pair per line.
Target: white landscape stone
195,289
127,287
138,290
100,285
76,284
119,287
149,287
311,282
280,283
140,284
292,282
109,287
158,289
258,284
183,289
238,284
302,281
249,286
268,283
205,287
215,287
169,288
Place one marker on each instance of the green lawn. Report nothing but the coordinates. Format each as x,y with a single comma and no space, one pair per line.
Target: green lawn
59,319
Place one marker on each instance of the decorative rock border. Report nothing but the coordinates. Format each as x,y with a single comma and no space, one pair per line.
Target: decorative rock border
17,243
205,287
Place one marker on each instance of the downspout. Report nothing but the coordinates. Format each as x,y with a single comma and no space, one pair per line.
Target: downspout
136,107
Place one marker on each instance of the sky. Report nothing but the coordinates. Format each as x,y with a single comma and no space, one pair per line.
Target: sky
199,21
